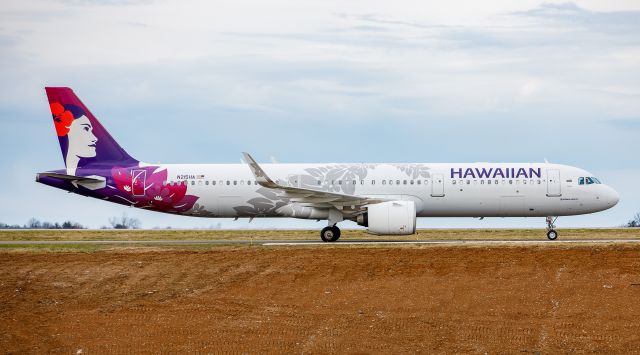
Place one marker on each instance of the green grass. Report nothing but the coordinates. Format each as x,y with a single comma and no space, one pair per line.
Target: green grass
257,235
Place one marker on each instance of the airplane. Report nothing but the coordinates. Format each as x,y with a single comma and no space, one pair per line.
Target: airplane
386,198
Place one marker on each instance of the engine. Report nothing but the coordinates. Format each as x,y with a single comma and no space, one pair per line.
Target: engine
391,218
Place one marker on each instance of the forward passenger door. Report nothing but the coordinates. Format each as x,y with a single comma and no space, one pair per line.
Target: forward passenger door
553,183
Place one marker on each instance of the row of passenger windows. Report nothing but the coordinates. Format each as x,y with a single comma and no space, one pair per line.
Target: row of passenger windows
497,182
373,182
213,182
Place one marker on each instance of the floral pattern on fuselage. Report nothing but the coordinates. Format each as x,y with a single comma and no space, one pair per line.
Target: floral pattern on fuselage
147,187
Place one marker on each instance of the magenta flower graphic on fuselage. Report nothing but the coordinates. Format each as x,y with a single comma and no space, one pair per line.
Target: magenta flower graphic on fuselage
147,187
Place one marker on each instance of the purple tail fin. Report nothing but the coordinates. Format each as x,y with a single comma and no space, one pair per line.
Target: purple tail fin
83,140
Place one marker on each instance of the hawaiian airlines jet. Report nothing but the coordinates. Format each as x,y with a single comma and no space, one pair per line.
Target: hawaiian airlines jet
385,198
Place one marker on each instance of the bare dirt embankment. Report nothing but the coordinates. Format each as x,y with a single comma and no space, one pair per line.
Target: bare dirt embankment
301,300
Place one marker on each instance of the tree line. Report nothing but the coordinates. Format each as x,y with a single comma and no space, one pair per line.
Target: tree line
122,222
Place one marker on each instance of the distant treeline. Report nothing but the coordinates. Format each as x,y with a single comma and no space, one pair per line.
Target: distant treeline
34,223
122,222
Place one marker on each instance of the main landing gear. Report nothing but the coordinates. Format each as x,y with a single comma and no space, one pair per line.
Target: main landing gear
551,232
330,233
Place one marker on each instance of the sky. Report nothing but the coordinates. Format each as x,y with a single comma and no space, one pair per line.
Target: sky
323,81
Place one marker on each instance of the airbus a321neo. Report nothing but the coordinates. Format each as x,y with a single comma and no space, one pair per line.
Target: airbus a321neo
385,198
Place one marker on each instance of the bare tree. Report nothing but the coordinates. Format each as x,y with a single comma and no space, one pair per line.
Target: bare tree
635,222
33,223
124,222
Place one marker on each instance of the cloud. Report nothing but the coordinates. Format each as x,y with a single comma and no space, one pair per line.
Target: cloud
612,22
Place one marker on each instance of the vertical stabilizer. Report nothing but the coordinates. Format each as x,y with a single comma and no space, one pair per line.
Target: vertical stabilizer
83,140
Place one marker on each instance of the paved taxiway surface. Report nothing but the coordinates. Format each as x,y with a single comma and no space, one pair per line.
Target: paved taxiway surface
314,242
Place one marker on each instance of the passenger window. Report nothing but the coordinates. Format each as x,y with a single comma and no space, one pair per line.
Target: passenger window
481,182
235,182
468,182
452,182
418,181
228,182
361,182
241,182
404,182
339,182
497,182
488,182
248,182
411,182
213,182
206,182
397,182
354,182
384,182
373,182
510,182
319,182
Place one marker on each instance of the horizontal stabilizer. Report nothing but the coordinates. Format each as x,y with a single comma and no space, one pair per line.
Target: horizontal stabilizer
84,179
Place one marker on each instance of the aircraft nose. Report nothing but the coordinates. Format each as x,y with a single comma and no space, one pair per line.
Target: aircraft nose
612,197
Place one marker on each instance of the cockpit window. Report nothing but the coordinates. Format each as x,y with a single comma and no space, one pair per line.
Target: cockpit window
589,180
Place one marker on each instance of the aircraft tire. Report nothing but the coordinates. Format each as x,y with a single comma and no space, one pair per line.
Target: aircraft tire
330,234
552,234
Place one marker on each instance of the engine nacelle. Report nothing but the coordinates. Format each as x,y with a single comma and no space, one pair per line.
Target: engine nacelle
391,218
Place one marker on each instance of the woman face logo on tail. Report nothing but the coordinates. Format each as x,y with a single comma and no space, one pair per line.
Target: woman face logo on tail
72,123
82,141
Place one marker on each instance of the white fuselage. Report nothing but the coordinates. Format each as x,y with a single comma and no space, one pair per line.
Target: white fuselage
439,190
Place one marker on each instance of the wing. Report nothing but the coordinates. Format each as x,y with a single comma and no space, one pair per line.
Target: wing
308,196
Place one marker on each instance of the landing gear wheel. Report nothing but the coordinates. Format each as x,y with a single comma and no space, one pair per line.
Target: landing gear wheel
330,234
552,234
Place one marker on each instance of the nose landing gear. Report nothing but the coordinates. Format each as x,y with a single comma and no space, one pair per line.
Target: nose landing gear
551,232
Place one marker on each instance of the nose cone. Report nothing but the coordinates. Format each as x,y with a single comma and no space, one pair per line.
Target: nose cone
611,197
